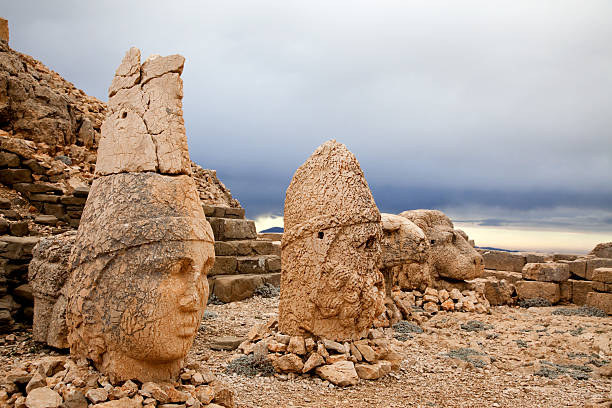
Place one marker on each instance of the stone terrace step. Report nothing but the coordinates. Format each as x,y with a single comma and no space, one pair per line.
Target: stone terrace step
249,247
223,212
236,265
232,288
228,229
273,236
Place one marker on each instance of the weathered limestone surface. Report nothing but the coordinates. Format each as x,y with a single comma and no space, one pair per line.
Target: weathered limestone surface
504,261
144,128
534,289
601,301
48,273
546,272
405,254
138,284
603,250
330,282
451,256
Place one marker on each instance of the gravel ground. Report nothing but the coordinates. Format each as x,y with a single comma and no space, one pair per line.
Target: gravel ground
515,358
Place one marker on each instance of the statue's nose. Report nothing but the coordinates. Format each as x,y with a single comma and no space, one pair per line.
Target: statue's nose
188,300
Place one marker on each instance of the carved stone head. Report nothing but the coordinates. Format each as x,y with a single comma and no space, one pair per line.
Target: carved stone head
451,256
138,285
331,286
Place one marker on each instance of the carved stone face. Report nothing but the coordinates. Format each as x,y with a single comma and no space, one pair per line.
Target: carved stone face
161,325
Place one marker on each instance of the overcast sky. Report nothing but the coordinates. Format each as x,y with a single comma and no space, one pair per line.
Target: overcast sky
497,112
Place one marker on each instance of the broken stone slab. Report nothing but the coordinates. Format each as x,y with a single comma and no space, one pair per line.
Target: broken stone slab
546,272
226,343
144,128
504,261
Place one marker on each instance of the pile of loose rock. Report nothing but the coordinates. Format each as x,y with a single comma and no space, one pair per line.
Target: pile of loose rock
60,381
341,364
419,306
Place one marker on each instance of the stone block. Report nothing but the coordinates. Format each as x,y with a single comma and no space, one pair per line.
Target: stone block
81,191
34,166
9,159
595,263
534,289
71,200
54,209
531,257
602,287
564,257
45,198
504,261
511,277
13,176
566,291
273,263
233,288
4,226
225,229
602,275
17,247
546,272
272,236
252,264
46,219
224,265
19,228
580,289
603,250
224,249
4,30
577,267
232,212
33,188
209,210
600,300
497,292
5,203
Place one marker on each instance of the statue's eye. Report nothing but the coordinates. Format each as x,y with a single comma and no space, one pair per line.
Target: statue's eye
432,242
370,242
320,235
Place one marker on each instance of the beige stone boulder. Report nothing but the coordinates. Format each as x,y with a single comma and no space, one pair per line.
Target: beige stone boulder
331,285
450,254
603,250
48,273
138,286
405,254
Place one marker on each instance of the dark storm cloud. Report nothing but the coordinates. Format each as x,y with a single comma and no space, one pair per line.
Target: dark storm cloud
503,107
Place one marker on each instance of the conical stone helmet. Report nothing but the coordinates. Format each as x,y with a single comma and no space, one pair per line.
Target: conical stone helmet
330,283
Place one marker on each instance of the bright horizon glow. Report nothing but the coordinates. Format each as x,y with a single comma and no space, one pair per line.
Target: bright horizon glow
518,239
535,240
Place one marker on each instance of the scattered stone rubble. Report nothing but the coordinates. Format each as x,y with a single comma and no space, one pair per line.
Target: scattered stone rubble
60,381
340,363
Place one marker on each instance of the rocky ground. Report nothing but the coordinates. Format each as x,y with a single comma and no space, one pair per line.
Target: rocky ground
540,356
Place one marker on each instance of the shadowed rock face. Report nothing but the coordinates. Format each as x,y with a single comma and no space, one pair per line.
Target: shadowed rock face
138,285
451,256
405,254
330,284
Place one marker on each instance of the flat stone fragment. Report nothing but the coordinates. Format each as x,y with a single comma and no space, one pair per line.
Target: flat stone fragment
331,286
341,373
226,342
43,397
315,360
373,371
546,272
